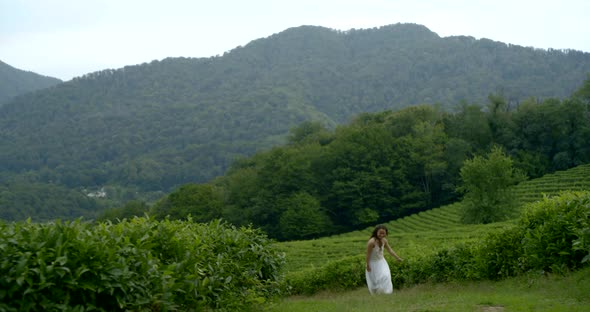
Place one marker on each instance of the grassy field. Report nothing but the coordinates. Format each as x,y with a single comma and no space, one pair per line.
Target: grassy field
534,292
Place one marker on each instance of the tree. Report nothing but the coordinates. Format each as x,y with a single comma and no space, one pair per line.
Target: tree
309,131
204,202
303,217
583,93
133,208
486,184
470,124
499,120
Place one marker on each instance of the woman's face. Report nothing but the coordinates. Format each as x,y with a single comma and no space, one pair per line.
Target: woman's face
381,233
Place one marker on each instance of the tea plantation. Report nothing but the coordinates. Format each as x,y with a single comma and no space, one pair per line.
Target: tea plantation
428,235
147,265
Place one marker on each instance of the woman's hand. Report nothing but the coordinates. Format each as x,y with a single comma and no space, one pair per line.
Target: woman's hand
368,268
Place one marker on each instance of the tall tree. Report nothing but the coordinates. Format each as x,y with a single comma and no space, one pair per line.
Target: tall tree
303,218
486,185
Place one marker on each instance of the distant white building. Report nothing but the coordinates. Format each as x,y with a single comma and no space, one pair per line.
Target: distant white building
97,194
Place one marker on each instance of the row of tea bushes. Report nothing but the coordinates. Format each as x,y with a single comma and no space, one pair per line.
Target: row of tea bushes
135,265
574,179
411,234
553,235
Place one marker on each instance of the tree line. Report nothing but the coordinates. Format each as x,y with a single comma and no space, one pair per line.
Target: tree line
382,166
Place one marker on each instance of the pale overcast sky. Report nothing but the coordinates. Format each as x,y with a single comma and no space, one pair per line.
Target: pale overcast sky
69,38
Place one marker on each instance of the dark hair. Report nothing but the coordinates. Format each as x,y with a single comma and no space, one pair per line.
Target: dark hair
377,228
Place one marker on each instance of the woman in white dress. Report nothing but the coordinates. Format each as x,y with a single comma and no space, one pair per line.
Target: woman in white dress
377,271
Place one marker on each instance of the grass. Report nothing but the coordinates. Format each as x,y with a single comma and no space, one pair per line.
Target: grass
532,292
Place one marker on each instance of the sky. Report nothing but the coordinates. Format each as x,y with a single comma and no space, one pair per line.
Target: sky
69,38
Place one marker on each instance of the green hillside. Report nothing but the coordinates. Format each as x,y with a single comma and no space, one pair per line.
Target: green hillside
429,231
575,179
142,131
14,82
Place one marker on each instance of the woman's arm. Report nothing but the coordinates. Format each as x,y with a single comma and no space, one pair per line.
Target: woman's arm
390,251
370,245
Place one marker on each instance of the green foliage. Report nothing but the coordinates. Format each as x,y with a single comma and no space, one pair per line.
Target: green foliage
201,201
555,133
382,166
428,231
555,231
583,93
307,132
574,179
501,254
341,274
138,264
131,209
530,292
153,127
41,202
486,183
15,82
303,217
552,236
374,170
455,263
548,237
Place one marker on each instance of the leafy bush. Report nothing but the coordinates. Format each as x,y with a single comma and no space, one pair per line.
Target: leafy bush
453,264
345,273
501,254
552,235
555,231
138,264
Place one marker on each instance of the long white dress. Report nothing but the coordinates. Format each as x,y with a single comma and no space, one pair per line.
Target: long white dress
379,279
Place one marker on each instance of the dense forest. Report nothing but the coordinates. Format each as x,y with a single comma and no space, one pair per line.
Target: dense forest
381,166
14,82
142,131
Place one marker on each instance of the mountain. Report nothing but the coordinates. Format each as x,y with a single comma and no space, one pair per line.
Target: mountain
14,82
142,130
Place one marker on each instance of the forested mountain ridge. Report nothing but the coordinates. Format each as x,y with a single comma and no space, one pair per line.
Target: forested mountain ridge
14,82
345,73
154,126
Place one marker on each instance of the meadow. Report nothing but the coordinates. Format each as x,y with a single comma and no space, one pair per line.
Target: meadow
532,292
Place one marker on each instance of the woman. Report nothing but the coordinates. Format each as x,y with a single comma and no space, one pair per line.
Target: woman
377,271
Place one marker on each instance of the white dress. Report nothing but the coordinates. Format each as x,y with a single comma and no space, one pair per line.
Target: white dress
379,279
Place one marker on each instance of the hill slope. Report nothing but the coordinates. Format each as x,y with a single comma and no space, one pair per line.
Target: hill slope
14,82
428,231
151,127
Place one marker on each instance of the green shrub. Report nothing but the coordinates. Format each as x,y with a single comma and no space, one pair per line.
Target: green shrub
501,255
345,273
555,231
62,266
455,263
137,265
